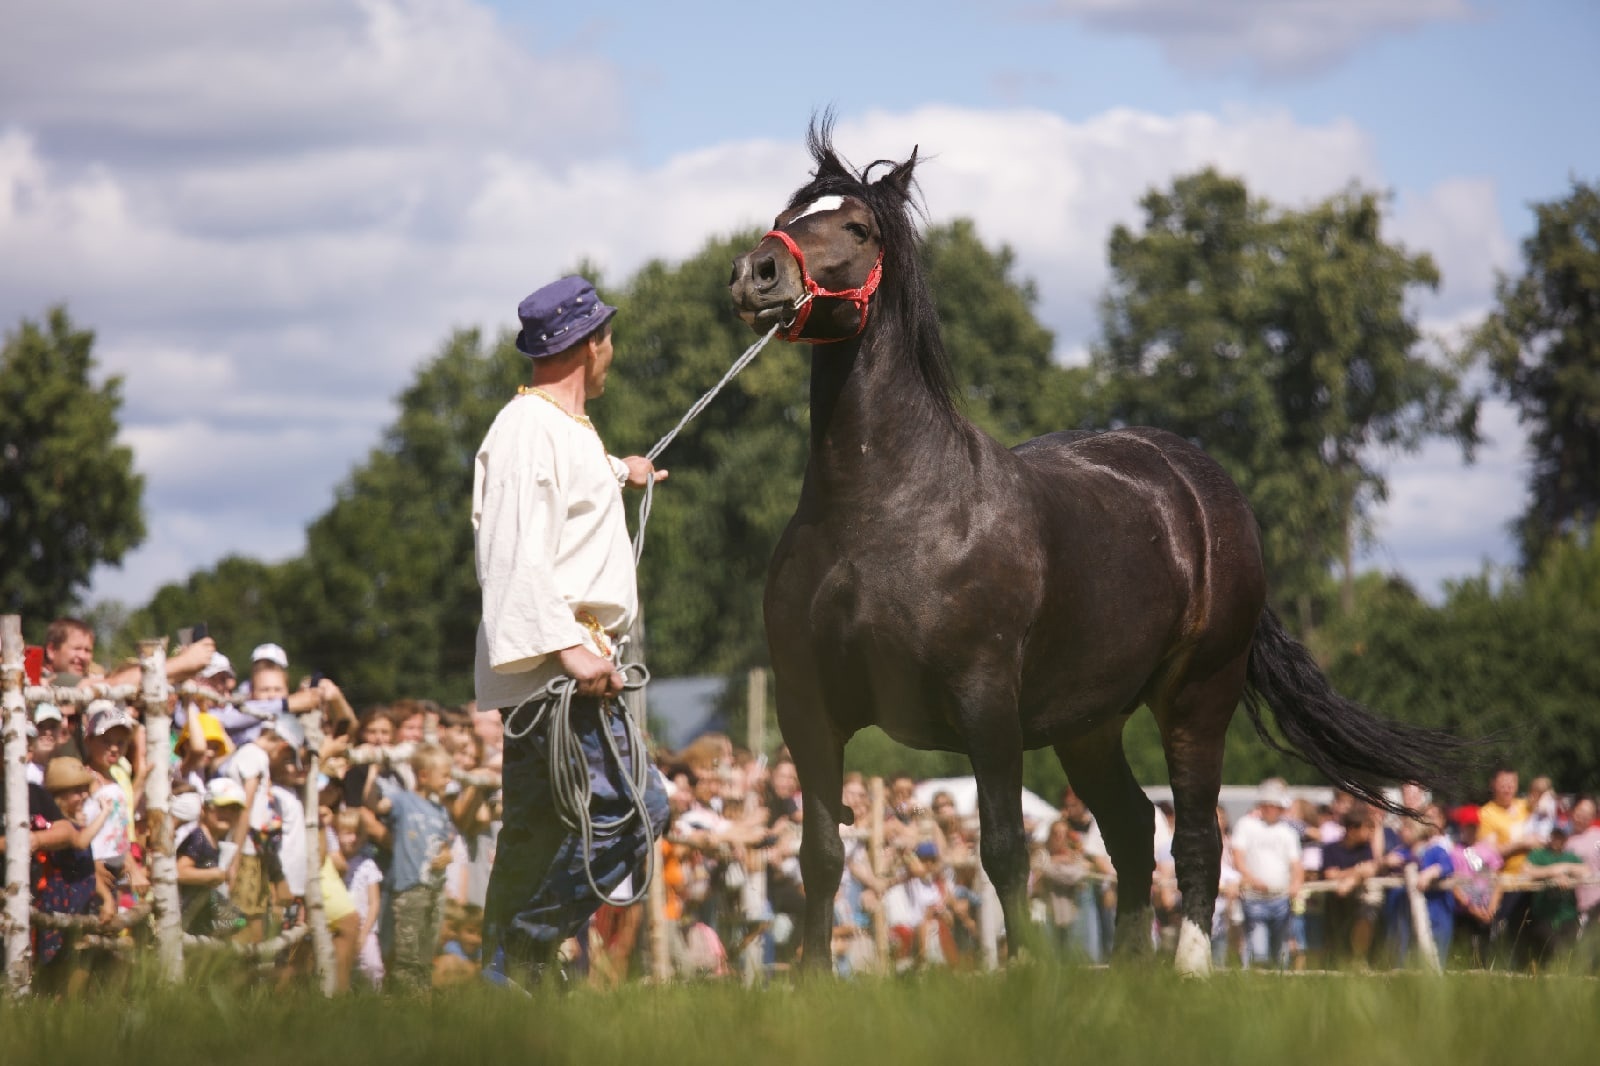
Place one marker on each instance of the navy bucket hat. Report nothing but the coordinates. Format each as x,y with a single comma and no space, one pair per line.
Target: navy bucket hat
560,315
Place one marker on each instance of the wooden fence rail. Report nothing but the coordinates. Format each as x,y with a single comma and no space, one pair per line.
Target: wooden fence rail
161,908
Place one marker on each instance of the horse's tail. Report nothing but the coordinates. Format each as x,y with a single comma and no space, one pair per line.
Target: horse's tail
1357,750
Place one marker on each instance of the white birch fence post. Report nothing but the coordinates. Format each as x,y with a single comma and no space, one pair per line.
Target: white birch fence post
754,897
316,913
875,855
14,924
1419,922
166,907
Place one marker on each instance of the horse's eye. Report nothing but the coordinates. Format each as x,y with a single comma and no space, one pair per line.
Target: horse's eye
858,229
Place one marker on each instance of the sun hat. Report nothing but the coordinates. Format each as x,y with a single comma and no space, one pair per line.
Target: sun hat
1465,815
212,732
66,773
104,716
927,851
560,315
218,666
224,792
271,653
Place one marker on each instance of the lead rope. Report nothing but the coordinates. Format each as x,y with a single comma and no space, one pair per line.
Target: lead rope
699,405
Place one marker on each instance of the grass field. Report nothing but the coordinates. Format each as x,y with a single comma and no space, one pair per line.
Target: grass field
1027,1015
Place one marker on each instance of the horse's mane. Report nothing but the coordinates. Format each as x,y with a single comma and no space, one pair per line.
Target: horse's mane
903,294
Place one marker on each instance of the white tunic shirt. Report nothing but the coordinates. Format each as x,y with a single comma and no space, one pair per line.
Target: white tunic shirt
552,544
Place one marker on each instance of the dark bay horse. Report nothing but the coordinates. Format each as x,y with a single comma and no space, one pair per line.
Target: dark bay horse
971,598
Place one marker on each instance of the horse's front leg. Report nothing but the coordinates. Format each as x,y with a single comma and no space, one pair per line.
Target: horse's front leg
818,754
993,734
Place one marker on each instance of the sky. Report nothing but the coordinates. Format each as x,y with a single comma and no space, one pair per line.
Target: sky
271,212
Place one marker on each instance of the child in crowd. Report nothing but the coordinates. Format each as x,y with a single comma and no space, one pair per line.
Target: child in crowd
107,734
288,788
202,869
420,834
363,880
257,833
461,957
69,783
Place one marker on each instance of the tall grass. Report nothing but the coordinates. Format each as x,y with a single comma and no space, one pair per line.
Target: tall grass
1038,1014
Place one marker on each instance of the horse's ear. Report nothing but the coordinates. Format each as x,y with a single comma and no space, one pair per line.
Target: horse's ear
900,178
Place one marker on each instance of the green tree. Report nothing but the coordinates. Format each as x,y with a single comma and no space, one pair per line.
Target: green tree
1543,346
1508,658
69,496
1279,341
240,600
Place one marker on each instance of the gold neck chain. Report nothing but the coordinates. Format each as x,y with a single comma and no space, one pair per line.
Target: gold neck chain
534,390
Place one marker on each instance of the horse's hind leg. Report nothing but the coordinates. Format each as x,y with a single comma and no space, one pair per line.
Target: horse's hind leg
1099,773
1193,725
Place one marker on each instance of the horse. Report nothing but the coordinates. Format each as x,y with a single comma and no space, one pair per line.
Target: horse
967,597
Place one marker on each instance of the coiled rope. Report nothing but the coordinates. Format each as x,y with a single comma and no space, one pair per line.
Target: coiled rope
569,767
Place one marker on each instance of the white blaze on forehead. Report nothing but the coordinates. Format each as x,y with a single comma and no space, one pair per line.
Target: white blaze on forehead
822,203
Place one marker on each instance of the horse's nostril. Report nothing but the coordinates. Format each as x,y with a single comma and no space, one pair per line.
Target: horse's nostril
767,270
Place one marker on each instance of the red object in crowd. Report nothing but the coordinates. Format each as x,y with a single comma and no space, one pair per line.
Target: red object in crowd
33,663
1466,815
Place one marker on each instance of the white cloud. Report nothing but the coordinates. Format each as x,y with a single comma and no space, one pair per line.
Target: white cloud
1458,223
271,217
1274,38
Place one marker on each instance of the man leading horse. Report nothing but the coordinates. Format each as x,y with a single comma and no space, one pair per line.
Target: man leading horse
559,590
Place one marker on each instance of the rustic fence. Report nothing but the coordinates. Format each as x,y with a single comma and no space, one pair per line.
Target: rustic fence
161,910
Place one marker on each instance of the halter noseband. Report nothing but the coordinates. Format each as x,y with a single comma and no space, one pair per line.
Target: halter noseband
858,296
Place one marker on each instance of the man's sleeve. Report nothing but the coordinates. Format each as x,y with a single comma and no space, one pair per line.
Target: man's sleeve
525,616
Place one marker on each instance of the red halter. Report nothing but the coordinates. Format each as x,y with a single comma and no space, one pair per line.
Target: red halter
859,297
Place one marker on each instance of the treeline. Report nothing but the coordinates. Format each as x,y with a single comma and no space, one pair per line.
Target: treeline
1284,342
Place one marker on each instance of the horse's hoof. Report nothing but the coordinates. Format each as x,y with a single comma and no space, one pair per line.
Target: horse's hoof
1193,958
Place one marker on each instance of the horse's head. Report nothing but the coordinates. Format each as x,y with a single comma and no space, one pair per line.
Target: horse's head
820,265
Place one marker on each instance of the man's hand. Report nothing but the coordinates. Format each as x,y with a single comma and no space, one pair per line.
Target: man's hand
642,471
595,676
190,660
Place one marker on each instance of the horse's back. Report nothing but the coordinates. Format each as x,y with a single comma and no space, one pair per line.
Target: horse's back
1144,516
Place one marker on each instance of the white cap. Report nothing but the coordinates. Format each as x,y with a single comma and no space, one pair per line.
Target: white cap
271,653
1274,793
219,664
46,712
223,791
104,716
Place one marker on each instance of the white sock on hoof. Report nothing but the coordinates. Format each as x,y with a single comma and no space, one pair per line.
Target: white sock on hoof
1194,951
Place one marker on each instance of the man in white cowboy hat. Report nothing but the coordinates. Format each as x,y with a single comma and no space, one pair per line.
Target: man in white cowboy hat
1266,852
557,574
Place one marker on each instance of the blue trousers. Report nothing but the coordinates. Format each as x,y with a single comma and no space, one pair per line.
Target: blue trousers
538,893
1266,927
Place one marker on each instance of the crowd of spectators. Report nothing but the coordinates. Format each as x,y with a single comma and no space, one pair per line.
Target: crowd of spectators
407,847
409,843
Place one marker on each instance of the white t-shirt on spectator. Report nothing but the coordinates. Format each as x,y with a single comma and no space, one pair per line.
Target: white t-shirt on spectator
111,845
250,763
908,903
292,846
1268,851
